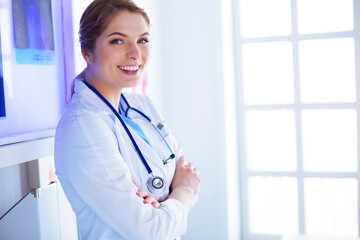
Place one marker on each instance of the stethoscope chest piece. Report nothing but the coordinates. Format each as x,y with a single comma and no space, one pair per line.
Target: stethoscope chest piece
156,184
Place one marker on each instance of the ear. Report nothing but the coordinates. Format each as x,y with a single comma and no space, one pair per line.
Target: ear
86,55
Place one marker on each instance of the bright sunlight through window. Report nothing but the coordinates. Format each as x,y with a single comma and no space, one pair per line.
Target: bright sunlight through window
298,72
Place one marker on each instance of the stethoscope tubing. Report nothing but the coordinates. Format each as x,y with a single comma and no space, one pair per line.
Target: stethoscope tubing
172,155
131,108
142,158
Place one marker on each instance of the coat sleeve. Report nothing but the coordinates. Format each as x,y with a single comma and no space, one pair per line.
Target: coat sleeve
87,154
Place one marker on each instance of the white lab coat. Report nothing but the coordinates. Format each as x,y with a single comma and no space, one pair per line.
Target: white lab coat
97,167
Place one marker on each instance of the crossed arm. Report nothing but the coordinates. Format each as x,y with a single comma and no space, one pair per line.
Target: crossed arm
185,185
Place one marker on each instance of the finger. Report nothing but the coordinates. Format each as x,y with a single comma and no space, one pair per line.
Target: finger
152,201
142,193
181,161
155,204
138,189
190,165
149,199
197,171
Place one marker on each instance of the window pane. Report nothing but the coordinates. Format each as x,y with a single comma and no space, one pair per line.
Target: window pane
273,204
331,206
270,140
268,73
321,16
327,70
329,140
260,18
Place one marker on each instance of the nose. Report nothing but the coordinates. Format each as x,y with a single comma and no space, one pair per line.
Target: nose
133,52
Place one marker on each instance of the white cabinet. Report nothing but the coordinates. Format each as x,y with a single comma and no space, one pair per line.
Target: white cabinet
42,214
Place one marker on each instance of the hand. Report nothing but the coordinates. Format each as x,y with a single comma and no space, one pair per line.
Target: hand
186,182
186,176
147,198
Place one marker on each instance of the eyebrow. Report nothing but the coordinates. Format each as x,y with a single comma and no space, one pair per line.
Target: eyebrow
124,35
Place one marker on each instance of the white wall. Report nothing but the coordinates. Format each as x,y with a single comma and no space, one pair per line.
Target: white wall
193,103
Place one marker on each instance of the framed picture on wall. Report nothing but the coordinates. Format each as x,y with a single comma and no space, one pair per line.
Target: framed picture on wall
33,32
32,87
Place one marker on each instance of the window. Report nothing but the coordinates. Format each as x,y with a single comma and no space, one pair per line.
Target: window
298,67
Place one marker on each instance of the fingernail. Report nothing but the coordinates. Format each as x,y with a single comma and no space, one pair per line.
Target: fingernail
146,201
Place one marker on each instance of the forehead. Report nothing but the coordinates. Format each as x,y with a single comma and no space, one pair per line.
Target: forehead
127,23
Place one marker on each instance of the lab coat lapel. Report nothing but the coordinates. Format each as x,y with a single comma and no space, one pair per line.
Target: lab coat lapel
149,154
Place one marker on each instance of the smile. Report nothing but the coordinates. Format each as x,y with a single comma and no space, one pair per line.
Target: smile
129,68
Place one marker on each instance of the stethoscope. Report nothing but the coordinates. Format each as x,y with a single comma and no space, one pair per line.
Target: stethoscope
155,184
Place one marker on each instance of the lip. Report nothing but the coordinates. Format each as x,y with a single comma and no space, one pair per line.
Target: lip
129,72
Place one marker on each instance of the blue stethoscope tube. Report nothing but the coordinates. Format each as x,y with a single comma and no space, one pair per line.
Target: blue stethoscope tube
155,184
172,155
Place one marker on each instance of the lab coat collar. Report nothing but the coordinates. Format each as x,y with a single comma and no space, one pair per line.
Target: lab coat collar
90,97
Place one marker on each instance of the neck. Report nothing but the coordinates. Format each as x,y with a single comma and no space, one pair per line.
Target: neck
110,92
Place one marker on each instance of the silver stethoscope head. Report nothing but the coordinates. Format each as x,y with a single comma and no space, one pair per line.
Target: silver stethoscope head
156,184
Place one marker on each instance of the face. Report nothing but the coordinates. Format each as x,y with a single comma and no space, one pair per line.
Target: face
121,52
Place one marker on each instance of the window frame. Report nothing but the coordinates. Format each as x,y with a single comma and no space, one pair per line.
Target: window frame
297,107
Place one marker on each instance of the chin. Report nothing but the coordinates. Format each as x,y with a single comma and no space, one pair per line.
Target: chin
132,84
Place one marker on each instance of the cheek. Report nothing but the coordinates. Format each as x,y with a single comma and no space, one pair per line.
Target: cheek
145,53
106,54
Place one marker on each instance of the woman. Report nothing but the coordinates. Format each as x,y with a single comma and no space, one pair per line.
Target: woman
121,169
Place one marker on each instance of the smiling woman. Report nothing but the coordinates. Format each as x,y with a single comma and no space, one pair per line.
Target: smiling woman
121,168
119,56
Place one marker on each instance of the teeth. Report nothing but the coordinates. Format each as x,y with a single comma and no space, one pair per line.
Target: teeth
130,68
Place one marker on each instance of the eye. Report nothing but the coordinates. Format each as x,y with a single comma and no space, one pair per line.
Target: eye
116,41
143,40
